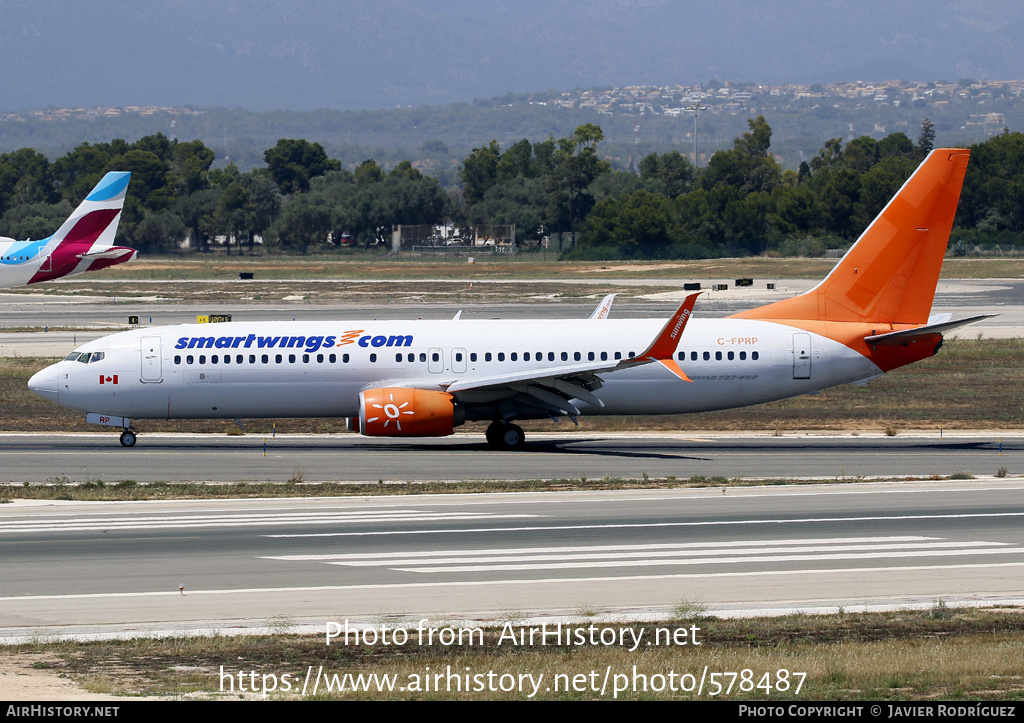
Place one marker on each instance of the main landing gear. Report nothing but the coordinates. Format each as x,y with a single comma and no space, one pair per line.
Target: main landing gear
128,438
504,435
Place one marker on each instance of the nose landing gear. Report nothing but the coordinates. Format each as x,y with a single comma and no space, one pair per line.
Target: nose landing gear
128,438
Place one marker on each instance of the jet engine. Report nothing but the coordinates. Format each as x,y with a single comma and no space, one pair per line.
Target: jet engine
403,412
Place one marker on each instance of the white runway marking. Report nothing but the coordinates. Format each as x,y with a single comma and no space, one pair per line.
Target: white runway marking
639,525
763,552
139,522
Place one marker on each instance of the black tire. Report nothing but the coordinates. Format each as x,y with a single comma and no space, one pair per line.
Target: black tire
493,434
127,438
512,436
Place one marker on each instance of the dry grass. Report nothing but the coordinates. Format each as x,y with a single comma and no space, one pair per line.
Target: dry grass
381,264
961,654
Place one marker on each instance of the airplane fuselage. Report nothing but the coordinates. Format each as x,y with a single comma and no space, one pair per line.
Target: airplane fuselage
317,369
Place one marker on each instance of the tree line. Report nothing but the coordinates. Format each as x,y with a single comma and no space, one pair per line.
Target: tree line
742,202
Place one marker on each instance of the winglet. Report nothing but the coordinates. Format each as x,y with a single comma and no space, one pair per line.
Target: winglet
601,312
664,345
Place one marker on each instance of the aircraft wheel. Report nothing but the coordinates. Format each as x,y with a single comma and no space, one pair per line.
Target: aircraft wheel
512,436
493,434
127,438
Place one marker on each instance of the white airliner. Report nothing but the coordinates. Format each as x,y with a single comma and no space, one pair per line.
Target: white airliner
85,242
425,378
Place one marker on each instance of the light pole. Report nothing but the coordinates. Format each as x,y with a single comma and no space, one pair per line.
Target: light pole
695,108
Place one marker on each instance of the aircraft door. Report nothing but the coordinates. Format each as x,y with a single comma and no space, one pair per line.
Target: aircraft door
151,360
435,361
801,356
459,361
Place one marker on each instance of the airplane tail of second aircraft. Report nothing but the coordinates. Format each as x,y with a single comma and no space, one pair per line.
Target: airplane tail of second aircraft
86,238
890,274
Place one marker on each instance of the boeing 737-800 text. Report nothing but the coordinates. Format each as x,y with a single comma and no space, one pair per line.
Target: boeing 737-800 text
425,378
85,242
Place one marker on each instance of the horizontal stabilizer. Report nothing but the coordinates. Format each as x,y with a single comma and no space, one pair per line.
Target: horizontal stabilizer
910,335
114,252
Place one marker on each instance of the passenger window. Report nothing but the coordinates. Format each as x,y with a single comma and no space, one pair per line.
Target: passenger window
202,358
731,356
707,356
565,356
693,356
227,358
743,356
577,356
398,358
190,359
291,358
590,356
501,356
177,359
551,356
214,359
631,355
278,358
513,356
718,356
411,358
373,358
423,357
526,356
305,358
472,356
753,355
487,356
434,356
344,358
604,356
458,356
334,357
320,358
265,358
239,359
618,355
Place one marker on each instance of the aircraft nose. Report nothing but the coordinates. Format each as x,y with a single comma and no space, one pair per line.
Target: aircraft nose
46,383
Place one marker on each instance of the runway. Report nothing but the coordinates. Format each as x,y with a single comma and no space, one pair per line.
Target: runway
349,457
133,567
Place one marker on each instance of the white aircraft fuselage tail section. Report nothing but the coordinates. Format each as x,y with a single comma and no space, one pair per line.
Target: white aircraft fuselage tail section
425,378
84,242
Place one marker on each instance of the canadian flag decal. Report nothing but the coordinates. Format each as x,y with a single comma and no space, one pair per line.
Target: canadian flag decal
108,380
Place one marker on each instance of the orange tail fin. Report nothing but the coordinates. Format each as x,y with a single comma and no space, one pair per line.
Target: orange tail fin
889,276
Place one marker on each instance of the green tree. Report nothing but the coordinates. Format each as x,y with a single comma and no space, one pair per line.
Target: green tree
576,165
293,163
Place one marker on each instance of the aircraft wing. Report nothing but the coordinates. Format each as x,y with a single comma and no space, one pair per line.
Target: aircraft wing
910,335
554,386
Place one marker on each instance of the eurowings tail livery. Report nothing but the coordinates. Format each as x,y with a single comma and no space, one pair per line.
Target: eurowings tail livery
425,378
85,242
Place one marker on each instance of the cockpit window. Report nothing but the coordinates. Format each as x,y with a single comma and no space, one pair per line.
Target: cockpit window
96,356
84,359
72,356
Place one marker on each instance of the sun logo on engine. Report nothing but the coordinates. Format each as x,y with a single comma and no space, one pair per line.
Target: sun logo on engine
392,411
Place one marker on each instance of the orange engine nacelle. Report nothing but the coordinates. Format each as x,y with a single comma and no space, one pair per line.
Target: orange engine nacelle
401,412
